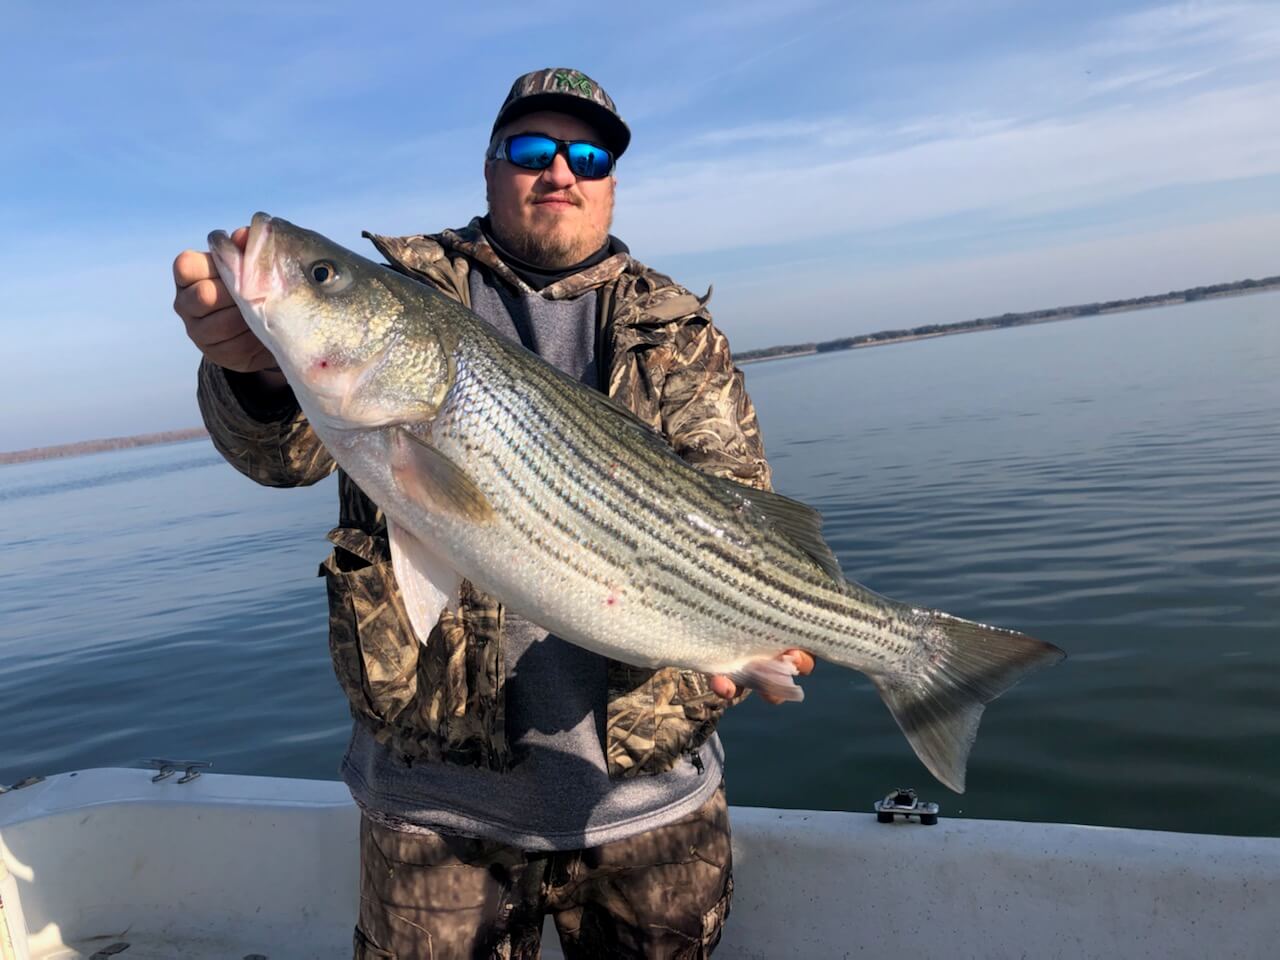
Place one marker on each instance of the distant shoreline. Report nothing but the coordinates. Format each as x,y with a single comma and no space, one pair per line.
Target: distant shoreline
782,352
1052,315
84,447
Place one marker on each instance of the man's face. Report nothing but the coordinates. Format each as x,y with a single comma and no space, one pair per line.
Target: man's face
551,217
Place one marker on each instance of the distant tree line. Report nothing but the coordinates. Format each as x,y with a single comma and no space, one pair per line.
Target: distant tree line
108,443
1010,319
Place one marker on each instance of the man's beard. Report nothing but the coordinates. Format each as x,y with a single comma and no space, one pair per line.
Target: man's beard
552,249
556,248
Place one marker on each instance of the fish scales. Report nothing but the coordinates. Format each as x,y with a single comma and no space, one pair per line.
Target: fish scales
713,544
572,448
493,466
590,494
525,423
583,447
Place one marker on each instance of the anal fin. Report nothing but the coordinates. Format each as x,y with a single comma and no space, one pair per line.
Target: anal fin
428,584
770,675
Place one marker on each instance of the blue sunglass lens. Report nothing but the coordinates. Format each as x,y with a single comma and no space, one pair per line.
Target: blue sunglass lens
588,160
532,153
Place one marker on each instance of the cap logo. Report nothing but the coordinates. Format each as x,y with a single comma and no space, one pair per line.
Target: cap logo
574,81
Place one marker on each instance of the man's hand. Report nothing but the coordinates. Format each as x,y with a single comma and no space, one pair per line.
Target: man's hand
728,689
213,320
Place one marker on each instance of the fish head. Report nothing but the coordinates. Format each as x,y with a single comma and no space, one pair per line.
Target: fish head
336,324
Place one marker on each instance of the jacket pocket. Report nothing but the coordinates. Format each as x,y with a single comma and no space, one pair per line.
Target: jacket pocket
374,650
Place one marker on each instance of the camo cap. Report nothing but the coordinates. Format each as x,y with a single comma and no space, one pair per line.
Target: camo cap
566,91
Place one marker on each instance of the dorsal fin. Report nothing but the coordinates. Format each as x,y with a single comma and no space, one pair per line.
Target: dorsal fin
798,522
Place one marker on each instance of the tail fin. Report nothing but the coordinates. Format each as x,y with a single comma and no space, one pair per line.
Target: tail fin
970,664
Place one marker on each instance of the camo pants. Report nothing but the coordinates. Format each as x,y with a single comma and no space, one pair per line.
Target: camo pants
661,894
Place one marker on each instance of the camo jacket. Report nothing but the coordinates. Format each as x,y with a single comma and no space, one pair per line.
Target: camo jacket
660,357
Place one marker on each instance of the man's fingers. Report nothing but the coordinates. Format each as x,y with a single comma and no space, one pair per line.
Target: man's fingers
723,686
244,354
210,314
192,265
216,328
201,298
802,659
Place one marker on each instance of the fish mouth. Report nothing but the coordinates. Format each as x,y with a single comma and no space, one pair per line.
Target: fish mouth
249,276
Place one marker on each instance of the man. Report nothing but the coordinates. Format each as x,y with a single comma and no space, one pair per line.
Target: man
502,773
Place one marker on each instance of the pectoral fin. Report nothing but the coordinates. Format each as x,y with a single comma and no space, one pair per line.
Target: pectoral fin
428,584
433,482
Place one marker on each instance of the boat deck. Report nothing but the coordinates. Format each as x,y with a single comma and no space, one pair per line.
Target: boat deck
168,946
250,867
143,947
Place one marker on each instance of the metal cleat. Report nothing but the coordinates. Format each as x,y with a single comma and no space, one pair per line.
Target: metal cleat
903,803
168,768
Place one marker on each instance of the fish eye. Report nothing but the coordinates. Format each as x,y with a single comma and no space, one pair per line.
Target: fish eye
323,273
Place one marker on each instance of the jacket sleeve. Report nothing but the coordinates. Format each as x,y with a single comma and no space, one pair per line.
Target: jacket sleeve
706,413
279,451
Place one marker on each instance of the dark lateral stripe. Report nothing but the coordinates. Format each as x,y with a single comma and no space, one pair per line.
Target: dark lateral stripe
735,611
663,523
803,593
834,601
681,573
794,582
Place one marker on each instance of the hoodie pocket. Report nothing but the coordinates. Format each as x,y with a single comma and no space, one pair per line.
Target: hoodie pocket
374,650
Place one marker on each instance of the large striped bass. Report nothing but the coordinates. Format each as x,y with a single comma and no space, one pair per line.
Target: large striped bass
493,466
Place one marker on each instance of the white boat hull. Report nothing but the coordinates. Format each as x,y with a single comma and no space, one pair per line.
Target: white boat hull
229,866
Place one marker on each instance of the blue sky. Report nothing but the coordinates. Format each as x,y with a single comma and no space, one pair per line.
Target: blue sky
832,168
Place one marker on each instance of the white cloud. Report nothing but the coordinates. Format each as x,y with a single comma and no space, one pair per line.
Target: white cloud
1181,94
1155,78
776,195
1183,26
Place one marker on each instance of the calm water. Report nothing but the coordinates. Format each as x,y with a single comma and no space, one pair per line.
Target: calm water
1109,484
